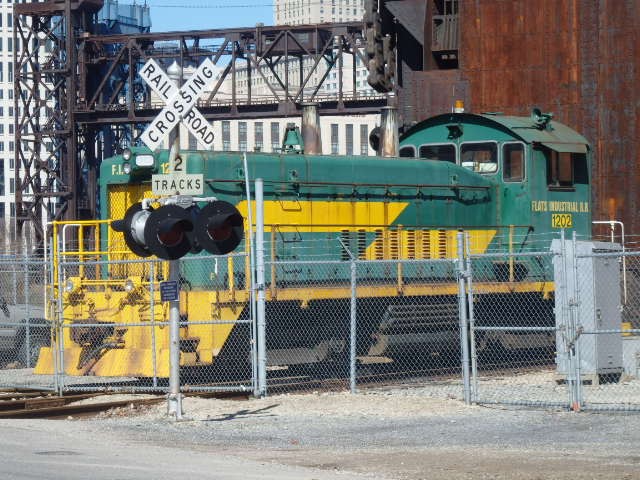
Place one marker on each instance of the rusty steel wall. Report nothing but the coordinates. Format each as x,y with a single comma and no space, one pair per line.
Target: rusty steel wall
575,58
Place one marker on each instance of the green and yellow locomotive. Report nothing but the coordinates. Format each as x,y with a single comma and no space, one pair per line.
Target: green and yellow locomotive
510,183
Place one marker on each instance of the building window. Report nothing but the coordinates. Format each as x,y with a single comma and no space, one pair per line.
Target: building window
1,177
12,162
12,185
1,209
12,208
349,138
242,136
226,135
364,140
335,139
275,136
258,136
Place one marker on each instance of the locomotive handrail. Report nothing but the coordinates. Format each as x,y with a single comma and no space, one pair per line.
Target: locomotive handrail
353,184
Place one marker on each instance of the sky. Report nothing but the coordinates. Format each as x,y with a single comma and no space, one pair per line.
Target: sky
179,15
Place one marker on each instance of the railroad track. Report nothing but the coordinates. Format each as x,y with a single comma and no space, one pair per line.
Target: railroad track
16,403
44,404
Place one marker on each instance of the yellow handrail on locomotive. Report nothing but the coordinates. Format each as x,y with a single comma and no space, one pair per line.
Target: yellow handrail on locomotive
60,252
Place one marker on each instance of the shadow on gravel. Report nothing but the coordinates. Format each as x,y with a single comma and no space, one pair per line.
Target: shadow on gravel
240,414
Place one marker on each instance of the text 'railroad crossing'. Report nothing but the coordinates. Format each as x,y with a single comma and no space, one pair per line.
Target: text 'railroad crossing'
179,103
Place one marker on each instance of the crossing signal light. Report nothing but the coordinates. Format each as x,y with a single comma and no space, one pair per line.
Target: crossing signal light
171,231
219,228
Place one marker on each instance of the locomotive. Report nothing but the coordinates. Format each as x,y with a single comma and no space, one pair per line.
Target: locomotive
510,183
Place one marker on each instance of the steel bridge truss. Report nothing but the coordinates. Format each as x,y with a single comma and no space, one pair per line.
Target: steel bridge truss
79,98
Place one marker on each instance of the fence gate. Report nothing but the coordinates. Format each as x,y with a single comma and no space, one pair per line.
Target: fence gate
512,330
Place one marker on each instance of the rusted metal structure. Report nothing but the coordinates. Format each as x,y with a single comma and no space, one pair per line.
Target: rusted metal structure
79,99
578,59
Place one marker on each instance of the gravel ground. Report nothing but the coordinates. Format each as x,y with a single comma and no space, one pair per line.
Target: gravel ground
402,433
395,434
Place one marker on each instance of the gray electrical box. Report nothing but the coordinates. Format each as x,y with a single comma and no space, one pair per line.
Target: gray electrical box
588,300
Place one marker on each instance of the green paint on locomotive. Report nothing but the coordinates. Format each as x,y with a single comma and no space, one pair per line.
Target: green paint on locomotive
470,172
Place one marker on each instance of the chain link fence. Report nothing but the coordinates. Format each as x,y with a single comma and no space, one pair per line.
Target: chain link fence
602,318
24,330
550,328
513,330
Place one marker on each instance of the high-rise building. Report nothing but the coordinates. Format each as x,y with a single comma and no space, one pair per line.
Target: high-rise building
115,17
7,142
304,12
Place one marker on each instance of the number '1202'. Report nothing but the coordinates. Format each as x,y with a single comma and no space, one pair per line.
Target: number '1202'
561,220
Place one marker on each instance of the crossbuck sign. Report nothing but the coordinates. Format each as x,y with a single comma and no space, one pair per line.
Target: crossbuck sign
179,103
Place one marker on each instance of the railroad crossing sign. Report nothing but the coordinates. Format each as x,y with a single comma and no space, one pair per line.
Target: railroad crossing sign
179,106
179,103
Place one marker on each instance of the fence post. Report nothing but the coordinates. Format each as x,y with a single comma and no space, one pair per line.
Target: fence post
462,314
568,330
353,330
60,324
25,300
577,406
472,320
261,325
152,308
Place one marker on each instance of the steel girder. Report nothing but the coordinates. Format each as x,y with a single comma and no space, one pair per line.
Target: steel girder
79,99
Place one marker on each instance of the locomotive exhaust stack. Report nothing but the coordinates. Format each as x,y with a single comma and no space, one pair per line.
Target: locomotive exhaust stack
389,139
311,135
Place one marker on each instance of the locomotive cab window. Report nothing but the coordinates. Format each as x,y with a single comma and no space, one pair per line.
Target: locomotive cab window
443,152
565,169
408,152
481,157
513,162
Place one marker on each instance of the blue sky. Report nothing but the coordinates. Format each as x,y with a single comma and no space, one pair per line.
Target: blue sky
173,15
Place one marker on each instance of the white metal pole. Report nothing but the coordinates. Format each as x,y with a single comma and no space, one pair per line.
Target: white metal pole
261,336
174,399
252,269
464,320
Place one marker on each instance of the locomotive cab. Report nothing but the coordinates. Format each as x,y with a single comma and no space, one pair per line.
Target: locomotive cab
540,168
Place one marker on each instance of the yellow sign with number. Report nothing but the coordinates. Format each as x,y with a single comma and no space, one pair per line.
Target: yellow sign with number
561,220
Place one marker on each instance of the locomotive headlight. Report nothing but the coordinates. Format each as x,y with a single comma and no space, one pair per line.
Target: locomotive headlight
126,168
144,161
126,154
69,286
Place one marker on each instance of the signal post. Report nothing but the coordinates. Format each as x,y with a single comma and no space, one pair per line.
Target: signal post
179,225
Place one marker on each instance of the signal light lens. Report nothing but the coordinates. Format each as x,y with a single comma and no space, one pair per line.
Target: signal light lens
167,232
219,228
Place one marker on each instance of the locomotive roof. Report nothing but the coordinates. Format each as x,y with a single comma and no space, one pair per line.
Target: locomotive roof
553,134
